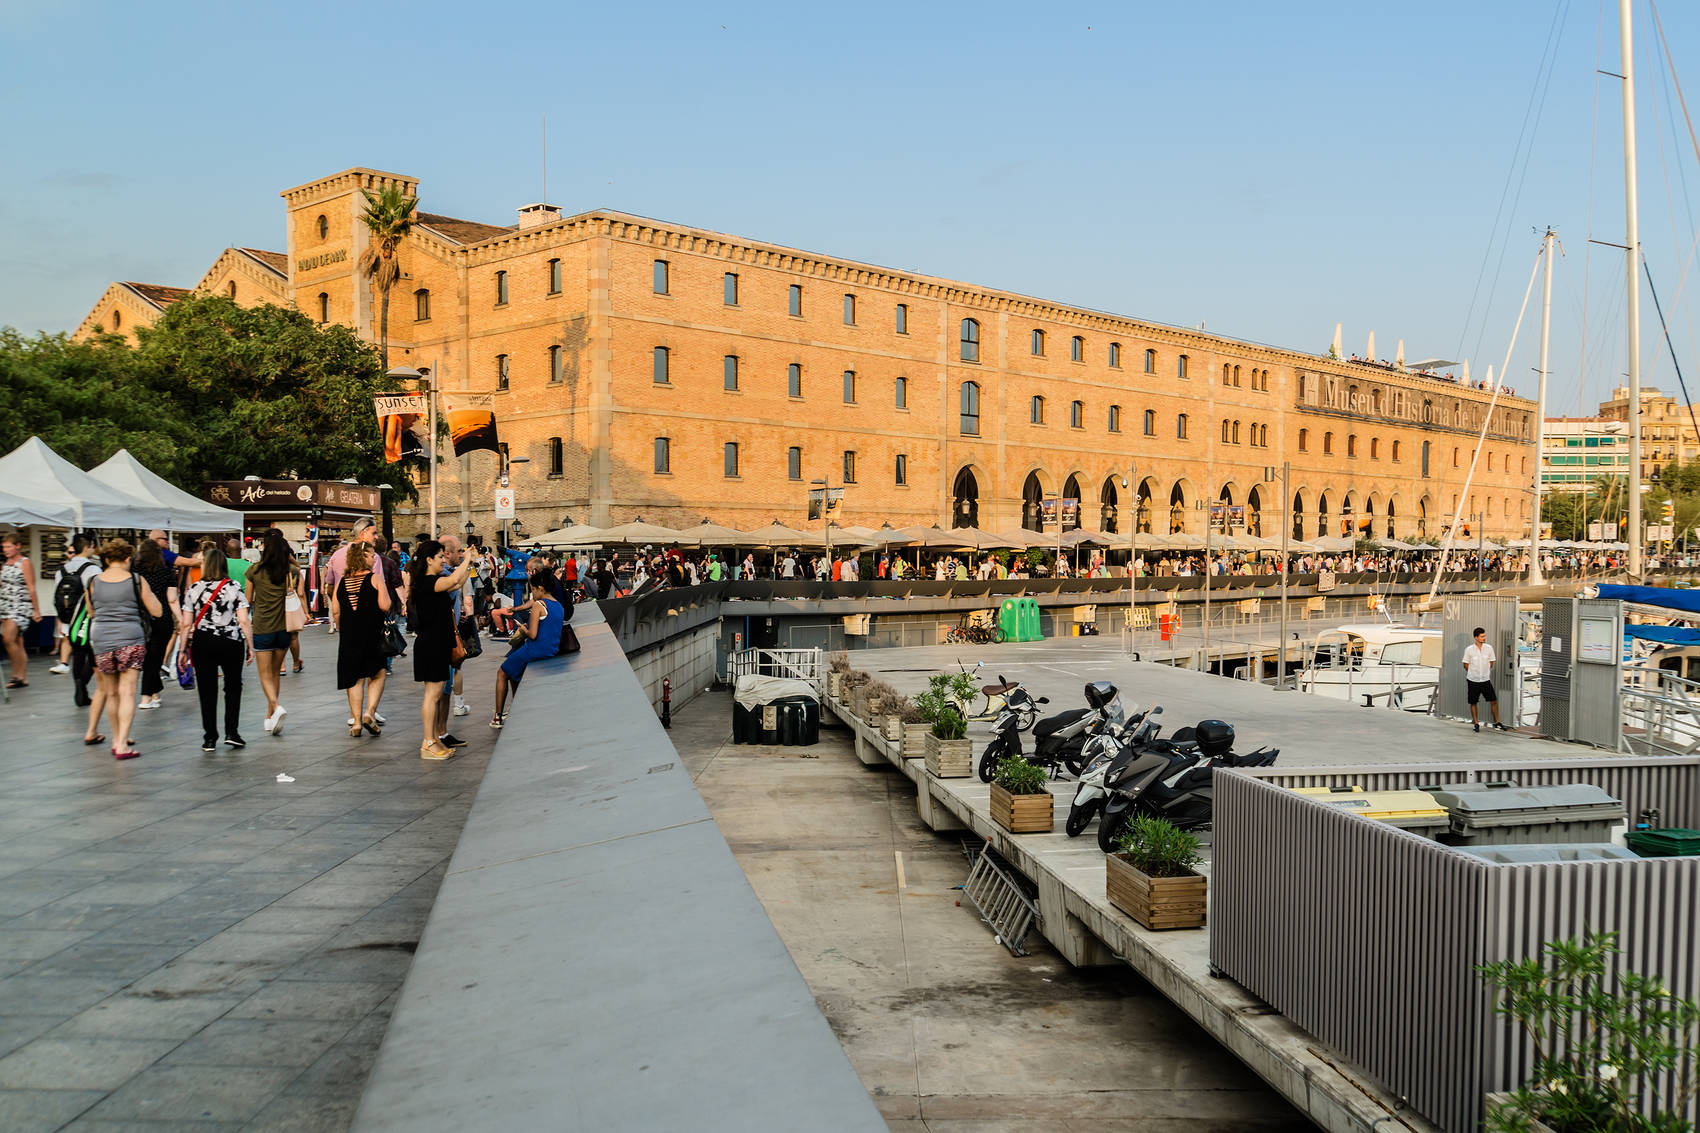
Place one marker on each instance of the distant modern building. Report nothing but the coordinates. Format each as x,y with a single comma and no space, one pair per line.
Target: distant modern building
1668,430
1576,451
668,372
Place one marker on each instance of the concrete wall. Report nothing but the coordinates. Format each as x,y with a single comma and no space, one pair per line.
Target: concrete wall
690,661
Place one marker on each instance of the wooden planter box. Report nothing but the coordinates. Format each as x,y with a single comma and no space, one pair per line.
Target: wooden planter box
1023,814
834,684
915,740
1155,902
1500,1098
949,759
891,727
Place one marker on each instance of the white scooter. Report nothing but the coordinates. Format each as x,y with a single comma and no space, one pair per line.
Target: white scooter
1100,751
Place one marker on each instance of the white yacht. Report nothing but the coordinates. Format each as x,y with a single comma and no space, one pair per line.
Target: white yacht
1378,664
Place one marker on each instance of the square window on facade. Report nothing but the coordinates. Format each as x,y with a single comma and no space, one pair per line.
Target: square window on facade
663,455
661,280
794,379
730,298
731,460
796,300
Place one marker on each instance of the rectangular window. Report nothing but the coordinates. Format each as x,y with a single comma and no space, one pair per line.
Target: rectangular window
1150,422
1115,422
794,379
1180,367
1038,347
1077,415
501,289
501,371
731,285
730,369
849,467
902,393
849,387
661,277
1115,355
554,364
731,460
796,300
1077,349
663,455
794,462
661,372
849,310
557,463
1150,361
903,318
901,472
1036,411
554,277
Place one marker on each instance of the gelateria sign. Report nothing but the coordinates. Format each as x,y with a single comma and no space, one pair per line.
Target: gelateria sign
323,259
292,495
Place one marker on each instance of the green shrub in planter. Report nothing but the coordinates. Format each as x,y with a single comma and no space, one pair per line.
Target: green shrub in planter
949,724
929,704
1156,847
1019,777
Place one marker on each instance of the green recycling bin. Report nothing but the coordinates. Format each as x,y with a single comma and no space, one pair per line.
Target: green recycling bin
1030,630
1009,620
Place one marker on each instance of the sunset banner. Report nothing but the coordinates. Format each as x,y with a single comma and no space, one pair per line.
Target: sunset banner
471,419
401,420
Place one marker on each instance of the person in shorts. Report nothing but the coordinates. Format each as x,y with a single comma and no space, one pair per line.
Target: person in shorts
1479,659
119,605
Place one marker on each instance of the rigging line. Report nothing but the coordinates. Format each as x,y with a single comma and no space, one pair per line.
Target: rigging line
1588,247
1688,262
1487,422
1517,197
1654,292
1510,172
1688,121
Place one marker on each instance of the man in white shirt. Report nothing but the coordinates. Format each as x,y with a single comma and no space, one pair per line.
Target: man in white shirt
788,568
1479,659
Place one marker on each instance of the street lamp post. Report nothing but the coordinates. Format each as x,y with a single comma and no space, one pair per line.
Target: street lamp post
826,518
507,463
1132,514
1270,475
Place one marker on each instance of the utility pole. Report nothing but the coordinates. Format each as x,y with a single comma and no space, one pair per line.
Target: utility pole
1535,578
1285,473
1631,238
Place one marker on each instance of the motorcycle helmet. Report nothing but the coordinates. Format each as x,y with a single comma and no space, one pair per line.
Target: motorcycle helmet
1215,738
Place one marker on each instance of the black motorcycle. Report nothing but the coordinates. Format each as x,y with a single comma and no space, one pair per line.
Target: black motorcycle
1171,779
1059,741
1019,711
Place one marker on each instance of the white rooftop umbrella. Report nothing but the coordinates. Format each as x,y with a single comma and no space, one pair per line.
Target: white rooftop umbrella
1084,537
1184,540
38,475
706,534
638,532
1332,544
776,534
578,535
127,474
1488,545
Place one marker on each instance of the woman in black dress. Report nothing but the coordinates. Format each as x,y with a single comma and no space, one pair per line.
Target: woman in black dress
361,601
431,614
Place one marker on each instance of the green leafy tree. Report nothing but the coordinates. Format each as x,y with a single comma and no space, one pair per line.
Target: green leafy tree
389,218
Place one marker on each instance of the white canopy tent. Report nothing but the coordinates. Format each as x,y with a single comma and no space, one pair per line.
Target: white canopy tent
19,512
127,474
42,478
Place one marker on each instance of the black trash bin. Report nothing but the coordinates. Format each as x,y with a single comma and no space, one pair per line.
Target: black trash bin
775,711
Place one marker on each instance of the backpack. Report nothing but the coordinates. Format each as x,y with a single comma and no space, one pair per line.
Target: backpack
67,593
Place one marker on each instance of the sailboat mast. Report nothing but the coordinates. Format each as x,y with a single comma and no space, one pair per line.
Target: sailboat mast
1632,238
1535,578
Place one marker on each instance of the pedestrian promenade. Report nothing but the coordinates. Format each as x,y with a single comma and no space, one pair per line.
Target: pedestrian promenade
187,941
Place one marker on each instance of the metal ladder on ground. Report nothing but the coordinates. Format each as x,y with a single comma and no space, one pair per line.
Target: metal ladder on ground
1003,899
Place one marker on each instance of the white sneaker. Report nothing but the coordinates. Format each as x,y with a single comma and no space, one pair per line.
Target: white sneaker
352,721
146,704
378,719
60,669
274,722
462,708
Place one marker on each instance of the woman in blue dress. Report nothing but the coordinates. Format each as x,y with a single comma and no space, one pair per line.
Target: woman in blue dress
540,622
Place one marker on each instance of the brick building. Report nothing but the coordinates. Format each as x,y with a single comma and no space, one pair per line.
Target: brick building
671,373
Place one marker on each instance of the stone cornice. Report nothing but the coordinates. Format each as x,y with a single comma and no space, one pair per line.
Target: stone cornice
249,267
338,183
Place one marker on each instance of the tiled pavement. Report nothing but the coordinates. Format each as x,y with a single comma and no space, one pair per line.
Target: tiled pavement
186,942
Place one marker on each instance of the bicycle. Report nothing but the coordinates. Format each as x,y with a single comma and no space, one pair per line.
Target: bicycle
969,633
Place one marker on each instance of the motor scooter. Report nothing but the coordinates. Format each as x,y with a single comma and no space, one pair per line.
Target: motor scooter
1019,711
1058,740
1171,779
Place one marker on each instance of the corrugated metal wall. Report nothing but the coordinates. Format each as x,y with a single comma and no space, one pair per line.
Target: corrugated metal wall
1368,937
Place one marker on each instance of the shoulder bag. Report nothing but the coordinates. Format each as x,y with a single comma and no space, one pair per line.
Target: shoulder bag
294,613
185,653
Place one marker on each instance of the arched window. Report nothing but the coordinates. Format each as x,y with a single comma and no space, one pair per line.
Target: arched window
970,409
1071,491
1032,495
970,340
1454,456
1328,444
1227,379
1077,415
1226,432
1304,384
1351,444
1115,355
1304,440
1180,368
1522,464
1036,410
1038,344
1077,349
230,289
1150,361
421,304
1115,419
1236,432
1108,506
1263,435
1375,448
1150,422
324,307
1180,427
965,500
1375,400
117,318
1395,450
1236,377
324,226
1490,461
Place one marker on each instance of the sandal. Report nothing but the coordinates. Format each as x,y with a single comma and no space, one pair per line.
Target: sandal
371,727
435,750
16,683
131,754
354,732
498,720
90,741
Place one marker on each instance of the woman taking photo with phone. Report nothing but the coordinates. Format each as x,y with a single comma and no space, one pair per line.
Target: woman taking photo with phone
431,616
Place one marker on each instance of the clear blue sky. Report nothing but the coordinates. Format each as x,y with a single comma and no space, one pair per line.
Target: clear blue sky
1266,169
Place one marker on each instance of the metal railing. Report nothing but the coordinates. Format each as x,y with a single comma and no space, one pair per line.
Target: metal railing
1656,723
800,664
1368,936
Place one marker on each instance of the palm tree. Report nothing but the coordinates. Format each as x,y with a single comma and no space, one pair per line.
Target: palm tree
389,218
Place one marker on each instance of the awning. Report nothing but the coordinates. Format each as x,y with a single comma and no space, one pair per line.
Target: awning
20,512
127,474
1662,596
1668,635
41,477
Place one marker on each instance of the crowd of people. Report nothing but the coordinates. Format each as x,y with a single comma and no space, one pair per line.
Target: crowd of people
135,617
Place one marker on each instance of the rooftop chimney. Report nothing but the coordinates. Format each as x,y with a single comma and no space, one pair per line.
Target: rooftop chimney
530,216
